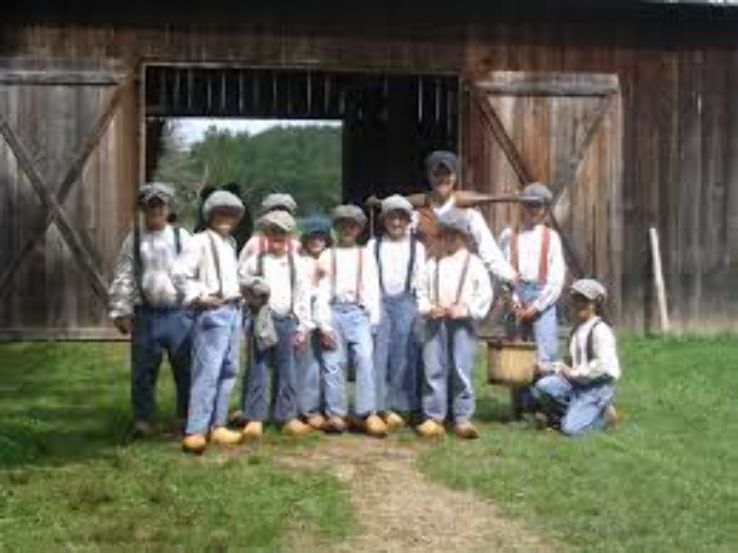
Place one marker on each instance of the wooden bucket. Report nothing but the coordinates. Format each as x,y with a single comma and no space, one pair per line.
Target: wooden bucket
511,363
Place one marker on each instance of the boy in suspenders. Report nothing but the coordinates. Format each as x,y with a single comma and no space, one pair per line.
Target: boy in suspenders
206,273
259,242
455,292
400,258
348,315
314,240
577,396
534,250
145,303
279,271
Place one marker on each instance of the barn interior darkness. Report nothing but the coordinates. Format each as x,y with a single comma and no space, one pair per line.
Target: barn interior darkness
390,121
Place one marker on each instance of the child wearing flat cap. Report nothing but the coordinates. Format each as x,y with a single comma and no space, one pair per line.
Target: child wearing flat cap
259,242
206,274
577,396
145,304
534,251
315,238
348,314
455,291
400,258
281,272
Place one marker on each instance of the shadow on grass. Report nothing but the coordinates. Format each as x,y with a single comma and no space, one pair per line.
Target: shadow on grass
62,403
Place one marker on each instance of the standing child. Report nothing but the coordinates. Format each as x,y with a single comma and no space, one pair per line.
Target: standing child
145,303
577,396
534,251
455,292
280,272
206,273
400,258
259,242
314,241
348,314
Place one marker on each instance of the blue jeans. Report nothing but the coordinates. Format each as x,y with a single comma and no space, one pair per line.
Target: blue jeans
255,402
543,331
308,360
577,408
448,355
215,350
396,354
353,335
154,331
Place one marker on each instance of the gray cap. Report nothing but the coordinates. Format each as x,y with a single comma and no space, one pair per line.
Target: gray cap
395,202
278,201
280,219
222,199
454,220
589,288
259,286
351,212
441,158
536,192
151,190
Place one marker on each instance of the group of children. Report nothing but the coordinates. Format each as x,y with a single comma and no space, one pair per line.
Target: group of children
401,310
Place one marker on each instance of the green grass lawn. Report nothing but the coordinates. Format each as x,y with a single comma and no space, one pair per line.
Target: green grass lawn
70,479
665,481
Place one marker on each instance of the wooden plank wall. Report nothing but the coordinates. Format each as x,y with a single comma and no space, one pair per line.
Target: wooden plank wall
680,148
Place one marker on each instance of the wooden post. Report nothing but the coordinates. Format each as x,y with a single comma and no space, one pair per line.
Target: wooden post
658,278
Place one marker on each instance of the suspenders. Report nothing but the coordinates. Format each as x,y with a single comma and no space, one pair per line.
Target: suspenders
293,272
216,262
590,341
462,279
410,264
543,259
359,274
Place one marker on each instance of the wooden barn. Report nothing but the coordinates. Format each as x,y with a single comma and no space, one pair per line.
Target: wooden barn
627,109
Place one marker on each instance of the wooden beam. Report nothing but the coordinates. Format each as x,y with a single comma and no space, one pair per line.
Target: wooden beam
523,83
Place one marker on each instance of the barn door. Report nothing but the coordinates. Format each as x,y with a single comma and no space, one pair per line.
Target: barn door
563,129
65,195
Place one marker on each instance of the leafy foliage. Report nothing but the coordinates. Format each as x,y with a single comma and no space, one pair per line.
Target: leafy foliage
303,161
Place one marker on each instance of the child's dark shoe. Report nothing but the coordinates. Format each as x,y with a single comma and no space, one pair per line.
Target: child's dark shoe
335,425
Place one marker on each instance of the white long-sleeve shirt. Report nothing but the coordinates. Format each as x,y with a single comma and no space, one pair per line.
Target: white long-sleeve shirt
605,360
476,292
195,273
158,253
487,249
342,287
394,257
530,242
282,298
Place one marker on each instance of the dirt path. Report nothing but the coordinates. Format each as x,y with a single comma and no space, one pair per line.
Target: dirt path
399,510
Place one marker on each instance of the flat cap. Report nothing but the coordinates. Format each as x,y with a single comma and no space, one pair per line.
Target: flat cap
220,199
259,286
441,158
589,288
395,202
455,220
351,212
280,219
151,190
536,192
315,224
278,201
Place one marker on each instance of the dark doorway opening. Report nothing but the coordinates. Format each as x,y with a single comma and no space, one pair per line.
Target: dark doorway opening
390,121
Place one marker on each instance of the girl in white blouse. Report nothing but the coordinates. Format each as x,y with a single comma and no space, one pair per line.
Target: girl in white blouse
577,396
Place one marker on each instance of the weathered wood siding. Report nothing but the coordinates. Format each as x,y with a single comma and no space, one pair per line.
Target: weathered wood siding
679,110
